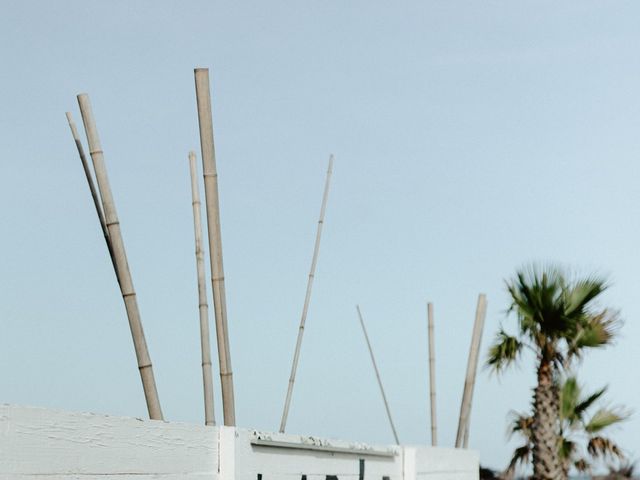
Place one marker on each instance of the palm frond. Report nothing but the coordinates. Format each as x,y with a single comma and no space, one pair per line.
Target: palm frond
601,447
595,330
567,449
604,418
572,404
521,424
582,465
504,352
521,457
569,398
584,405
580,295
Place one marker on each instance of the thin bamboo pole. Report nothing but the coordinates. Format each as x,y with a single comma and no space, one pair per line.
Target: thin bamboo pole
432,376
92,187
375,368
120,260
462,437
307,299
203,99
203,307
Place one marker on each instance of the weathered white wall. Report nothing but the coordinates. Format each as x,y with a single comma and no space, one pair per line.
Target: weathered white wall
42,443
47,444
264,453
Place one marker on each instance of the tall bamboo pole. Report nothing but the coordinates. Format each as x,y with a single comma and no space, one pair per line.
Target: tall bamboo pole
307,298
375,368
203,99
432,376
120,259
92,187
203,307
462,436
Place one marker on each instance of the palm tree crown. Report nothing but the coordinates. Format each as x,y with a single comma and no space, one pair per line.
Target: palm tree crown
557,318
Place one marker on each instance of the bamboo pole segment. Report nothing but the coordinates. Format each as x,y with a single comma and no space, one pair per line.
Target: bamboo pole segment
432,376
203,100
307,298
92,187
203,307
375,368
120,260
462,437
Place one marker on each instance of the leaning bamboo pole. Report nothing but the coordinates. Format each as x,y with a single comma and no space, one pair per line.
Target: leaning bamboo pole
432,376
307,299
92,187
203,307
375,368
120,260
462,437
205,122
482,311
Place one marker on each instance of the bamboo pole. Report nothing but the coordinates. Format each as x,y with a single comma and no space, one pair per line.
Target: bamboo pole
432,376
307,299
462,437
203,307
120,260
481,313
375,368
92,187
203,99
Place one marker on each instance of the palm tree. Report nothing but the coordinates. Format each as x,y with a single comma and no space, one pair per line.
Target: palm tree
557,320
581,441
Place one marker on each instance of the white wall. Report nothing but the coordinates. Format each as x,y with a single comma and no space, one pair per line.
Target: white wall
310,456
41,443
48,444
427,463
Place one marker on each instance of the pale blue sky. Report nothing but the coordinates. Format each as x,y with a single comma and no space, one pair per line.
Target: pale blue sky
470,138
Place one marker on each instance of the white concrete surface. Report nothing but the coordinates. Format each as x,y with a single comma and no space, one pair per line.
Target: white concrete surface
43,443
49,444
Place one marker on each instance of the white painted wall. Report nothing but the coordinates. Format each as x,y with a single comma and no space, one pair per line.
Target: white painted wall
427,463
48,444
42,443
310,456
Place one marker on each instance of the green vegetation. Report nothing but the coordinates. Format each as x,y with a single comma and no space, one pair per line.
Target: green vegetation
583,424
557,319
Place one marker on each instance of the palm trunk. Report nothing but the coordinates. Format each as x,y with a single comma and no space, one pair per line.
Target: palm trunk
546,457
